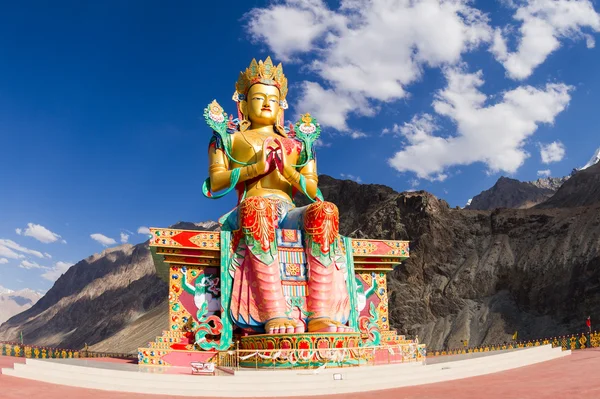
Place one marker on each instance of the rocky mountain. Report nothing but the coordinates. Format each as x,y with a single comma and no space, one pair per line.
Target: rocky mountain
581,191
93,300
511,193
550,183
473,274
14,302
480,275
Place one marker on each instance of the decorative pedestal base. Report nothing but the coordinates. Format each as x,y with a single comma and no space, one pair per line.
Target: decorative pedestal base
197,266
173,348
300,350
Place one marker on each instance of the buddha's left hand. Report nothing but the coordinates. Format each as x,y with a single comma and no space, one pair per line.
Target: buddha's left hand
285,167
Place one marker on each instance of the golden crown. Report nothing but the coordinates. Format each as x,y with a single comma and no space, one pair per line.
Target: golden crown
261,72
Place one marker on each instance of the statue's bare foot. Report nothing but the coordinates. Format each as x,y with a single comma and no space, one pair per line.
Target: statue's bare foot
322,324
281,325
343,328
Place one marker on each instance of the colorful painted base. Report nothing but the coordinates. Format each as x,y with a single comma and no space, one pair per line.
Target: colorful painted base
191,263
298,350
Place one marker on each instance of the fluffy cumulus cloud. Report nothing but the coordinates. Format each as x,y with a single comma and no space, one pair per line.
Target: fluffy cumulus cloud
544,173
124,238
543,23
293,26
366,50
552,152
39,232
102,239
143,230
367,53
3,261
494,134
10,249
56,271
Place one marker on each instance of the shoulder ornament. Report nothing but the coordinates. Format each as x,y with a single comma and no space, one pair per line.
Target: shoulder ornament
216,117
307,130
222,127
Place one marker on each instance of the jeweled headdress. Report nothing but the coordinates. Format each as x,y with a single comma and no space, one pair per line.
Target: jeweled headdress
265,73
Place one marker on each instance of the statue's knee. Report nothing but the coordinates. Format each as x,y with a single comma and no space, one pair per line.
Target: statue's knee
252,205
254,208
254,202
319,211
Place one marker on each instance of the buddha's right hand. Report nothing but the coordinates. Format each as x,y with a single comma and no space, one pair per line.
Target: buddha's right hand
263,164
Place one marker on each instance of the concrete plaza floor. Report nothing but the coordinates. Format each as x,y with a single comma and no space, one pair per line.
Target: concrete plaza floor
573,376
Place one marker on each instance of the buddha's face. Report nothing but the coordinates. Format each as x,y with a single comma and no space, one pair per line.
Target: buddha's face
262,104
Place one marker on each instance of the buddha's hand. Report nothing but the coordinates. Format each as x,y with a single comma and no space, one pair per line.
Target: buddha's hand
285,166
263,164
282,157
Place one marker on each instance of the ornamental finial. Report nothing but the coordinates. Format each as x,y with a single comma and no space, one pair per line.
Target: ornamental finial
261,72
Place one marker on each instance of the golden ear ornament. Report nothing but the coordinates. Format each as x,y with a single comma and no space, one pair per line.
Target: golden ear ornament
244,125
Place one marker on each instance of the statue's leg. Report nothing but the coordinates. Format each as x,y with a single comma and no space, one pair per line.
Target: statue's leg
258,220
325,293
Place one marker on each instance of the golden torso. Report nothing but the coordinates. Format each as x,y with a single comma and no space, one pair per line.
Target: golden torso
246,146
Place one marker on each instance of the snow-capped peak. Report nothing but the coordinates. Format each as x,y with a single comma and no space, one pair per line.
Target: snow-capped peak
5,290
594,160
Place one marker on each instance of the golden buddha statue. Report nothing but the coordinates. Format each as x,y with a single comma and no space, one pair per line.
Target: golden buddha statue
266,164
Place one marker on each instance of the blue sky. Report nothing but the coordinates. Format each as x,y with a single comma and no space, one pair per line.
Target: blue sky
101,105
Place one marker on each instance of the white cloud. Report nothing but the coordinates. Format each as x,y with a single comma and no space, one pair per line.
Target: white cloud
124,238
25,264
143,230
8,248
332,106
292,26
57,270
3,261
544,173
39,232
321,144
553,152
543,25
351,177
366,51
9,253
47,255
102,239
358,135
494,134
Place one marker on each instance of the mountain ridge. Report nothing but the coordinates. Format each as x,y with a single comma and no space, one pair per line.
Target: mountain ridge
512,193
14,302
